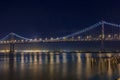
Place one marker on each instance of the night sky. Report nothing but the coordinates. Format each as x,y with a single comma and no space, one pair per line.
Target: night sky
47,18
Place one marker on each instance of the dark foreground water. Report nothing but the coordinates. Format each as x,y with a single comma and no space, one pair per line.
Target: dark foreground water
60,66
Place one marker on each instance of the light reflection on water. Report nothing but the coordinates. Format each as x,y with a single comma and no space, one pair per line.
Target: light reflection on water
60,66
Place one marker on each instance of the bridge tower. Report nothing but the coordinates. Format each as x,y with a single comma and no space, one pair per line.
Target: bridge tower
102,36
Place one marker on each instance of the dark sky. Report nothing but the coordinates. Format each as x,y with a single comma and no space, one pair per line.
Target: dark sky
44,18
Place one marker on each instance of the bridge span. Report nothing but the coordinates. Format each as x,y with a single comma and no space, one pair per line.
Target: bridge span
102,36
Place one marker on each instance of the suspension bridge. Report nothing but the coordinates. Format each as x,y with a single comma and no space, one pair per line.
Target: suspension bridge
102,31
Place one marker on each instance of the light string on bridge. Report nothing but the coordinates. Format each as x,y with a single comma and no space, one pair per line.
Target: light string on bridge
84,31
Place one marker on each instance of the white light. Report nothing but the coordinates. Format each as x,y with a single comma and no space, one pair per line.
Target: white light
51,38
115,34
22,40
87,37
78,37
109,35
4,41
35,39
64,37
40,39
57,38
46,38
30,39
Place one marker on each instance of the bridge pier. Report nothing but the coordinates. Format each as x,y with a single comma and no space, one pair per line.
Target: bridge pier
12,48
11,53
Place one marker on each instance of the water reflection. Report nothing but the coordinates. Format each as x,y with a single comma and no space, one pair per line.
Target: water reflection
58,66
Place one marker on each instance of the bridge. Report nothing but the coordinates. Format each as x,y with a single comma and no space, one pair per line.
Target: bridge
101,31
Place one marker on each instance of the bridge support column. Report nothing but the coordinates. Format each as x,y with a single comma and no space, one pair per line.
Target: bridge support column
11,53
12,48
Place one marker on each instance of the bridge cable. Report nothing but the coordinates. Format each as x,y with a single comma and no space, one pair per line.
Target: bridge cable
82,31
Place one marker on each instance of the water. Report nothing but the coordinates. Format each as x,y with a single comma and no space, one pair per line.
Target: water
59,66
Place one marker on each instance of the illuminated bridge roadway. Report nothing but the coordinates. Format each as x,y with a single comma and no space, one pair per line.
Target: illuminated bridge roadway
102,31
